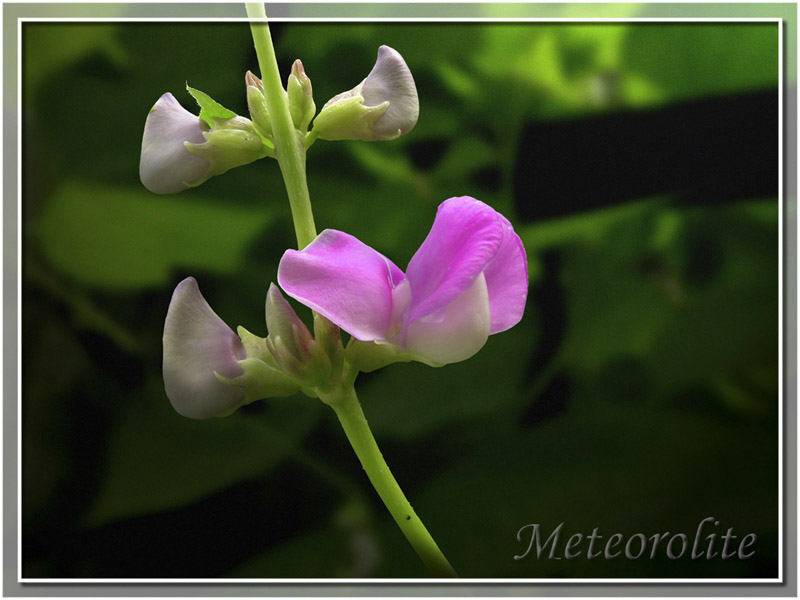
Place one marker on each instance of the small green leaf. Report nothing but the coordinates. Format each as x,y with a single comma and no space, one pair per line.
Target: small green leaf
210,109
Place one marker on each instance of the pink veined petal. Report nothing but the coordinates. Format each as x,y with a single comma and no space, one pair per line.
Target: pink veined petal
196,344
455,333
464,238
507,280
345,281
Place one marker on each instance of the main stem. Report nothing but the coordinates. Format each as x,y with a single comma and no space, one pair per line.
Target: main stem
291,154
289,149
347,407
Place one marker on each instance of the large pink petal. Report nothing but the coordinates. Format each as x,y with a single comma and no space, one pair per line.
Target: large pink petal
345,281
196,344
507,280
465,237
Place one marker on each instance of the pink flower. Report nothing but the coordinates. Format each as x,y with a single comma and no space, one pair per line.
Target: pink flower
469,279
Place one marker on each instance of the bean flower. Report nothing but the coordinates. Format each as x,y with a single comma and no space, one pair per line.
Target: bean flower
468,280
182,150
208,370
166,165
383,106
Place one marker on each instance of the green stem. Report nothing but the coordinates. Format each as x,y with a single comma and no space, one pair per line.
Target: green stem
289,148
347,407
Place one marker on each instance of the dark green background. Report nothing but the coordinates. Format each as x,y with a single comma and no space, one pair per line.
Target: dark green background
639,394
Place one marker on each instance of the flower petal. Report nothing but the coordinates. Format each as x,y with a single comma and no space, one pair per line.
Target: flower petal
196,344
465,237
391,80
345,281
507,280
166,166
455,333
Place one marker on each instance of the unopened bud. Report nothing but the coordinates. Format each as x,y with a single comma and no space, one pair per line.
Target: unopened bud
291,344
257,105
299,94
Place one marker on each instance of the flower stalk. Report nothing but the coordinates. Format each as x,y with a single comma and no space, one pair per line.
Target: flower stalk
290,151
348,409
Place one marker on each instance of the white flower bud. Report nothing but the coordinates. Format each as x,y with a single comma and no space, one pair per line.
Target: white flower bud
208,370
181,150
197,344
166,165
382,107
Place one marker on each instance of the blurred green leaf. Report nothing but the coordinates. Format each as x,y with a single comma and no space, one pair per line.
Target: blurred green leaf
689,60
410,400
49,47
614,307
614,466
158,460
128,239
592,226
346,546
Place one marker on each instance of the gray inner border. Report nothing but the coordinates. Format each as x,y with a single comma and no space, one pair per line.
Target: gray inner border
11,15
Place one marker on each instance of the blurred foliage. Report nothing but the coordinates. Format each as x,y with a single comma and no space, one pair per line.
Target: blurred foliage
638,394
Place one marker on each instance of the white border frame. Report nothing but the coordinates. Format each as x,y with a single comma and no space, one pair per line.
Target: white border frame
451,582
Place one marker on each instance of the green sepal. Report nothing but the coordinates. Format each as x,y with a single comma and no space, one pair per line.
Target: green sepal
260,381
347,118
210,109
370,356
233,144
311,368
329,338
255,346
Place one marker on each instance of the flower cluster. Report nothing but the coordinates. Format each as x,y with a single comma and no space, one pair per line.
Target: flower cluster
181,150
468,280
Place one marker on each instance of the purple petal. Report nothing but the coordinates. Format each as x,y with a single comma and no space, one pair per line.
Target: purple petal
345,281
166,166
465,237
457,331
196,344
507,280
